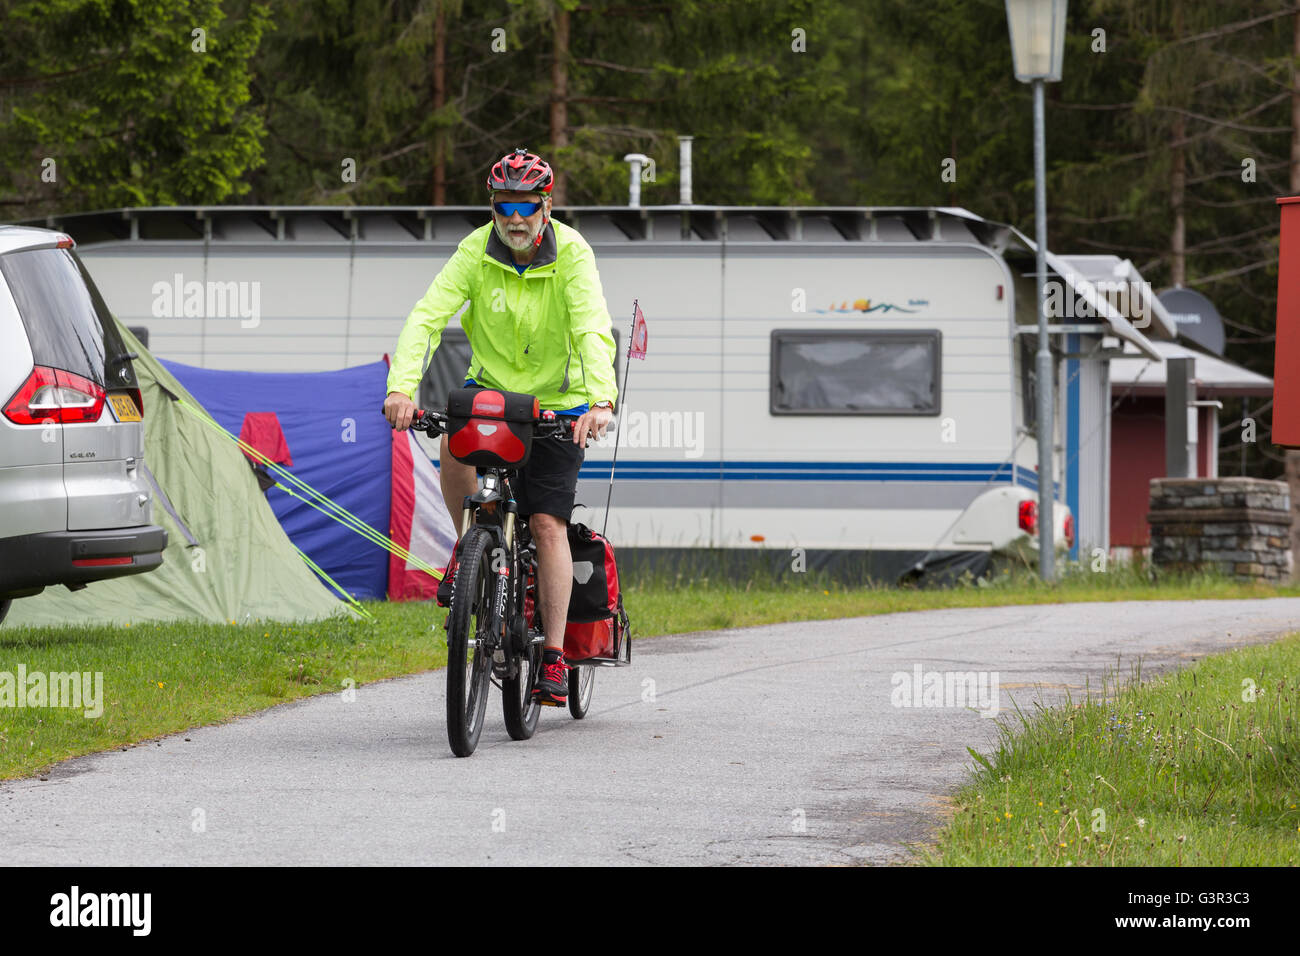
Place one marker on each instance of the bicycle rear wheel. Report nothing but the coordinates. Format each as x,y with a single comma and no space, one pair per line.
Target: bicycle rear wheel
469,657
581,681
520,708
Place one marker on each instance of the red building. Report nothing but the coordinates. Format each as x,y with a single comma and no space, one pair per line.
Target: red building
1137,437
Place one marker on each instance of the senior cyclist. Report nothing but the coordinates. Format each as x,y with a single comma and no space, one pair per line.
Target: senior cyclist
537,323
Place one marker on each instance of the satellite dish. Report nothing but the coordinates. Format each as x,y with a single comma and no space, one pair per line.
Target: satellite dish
1195,317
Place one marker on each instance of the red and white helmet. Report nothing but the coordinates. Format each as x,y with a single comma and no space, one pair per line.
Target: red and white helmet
521,172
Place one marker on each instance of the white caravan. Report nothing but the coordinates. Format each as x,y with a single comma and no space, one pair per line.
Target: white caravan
824,386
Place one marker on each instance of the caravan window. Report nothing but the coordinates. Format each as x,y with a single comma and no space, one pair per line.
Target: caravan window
620,361
1028,355
838,372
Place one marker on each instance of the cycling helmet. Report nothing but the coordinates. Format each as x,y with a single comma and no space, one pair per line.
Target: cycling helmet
521,171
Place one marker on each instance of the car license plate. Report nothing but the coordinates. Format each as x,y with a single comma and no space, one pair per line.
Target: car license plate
124,408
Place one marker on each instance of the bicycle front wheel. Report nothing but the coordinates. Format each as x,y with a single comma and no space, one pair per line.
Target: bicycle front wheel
469,656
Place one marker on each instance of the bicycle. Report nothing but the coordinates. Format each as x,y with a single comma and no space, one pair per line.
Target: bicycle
491,635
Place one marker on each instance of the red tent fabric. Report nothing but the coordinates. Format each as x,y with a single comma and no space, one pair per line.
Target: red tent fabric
262,430
420,522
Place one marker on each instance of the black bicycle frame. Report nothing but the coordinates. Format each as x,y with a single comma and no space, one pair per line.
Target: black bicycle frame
495,502
493,508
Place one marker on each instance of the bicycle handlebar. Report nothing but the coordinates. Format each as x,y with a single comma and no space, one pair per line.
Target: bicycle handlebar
435,423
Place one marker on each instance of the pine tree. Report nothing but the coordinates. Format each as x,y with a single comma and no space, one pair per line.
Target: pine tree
123,103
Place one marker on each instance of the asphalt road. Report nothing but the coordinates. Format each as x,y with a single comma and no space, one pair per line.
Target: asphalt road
769,745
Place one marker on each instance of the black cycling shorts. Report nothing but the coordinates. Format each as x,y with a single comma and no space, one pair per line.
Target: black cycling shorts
549,482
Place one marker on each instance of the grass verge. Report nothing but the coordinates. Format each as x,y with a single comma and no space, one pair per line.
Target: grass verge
164,678
1200,767
661,605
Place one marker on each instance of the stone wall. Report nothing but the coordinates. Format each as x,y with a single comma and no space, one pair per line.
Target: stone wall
1240,527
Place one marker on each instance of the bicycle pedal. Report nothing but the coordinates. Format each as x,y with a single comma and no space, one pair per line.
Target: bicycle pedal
550,701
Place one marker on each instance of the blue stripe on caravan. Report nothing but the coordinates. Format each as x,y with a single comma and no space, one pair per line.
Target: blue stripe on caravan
1029,479
792,476
809,471
698,465
966,472
872,465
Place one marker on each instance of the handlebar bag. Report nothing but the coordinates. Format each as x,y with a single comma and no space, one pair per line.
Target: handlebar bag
488,428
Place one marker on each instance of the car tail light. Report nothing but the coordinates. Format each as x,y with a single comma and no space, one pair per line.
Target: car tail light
101,562
1029,517
1069,530
65,242
53,395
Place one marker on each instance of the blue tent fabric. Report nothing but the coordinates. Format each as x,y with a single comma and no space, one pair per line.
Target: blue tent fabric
341,445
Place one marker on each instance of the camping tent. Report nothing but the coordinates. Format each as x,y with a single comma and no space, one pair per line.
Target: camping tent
419,522
339,444
325,428
227,557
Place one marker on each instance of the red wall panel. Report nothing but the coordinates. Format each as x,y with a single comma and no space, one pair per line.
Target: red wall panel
1137,454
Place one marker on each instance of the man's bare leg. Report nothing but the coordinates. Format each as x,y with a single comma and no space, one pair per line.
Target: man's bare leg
555,574
458,480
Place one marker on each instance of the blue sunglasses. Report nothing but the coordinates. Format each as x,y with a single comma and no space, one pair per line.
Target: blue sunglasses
524,209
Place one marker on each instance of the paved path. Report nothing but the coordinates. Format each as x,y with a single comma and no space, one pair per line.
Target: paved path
749,736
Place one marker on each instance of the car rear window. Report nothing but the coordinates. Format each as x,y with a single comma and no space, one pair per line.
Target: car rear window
67,323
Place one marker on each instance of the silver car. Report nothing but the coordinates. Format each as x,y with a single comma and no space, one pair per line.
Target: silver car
75,504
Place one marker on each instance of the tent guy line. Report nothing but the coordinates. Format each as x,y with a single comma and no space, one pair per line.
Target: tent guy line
339,513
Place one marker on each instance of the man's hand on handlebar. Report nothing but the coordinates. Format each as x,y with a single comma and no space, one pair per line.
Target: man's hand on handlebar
401,413
593,424
399,410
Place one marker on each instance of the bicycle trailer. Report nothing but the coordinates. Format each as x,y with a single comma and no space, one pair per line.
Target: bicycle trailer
598,632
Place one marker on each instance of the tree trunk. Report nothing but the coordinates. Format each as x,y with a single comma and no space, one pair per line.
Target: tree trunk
1295,112
1178,181
559,100
1178,187
439,101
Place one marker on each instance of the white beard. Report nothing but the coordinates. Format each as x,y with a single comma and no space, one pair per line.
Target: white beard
517,244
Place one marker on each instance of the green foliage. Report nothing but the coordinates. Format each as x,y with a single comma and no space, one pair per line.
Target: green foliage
789,102
942,88
1200,768
353,78
119,95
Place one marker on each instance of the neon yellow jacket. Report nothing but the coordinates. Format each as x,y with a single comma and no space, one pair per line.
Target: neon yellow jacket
546,332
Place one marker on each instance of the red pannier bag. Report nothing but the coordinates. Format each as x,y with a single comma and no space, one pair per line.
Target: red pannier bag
597,631
488,428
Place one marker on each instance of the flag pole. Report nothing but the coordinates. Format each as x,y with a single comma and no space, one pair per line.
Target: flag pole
618,425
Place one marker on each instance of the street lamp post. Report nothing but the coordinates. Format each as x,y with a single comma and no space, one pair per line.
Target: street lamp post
1037,30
